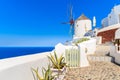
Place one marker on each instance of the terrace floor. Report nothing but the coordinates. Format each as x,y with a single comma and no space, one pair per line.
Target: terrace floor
96,71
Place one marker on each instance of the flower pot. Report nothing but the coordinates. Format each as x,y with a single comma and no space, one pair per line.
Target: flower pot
60,77
58,71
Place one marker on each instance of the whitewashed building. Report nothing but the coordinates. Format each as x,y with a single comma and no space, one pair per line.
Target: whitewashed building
117,34
113,17
82,25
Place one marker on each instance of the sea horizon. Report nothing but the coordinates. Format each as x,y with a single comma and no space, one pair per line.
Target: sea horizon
8,52
26,46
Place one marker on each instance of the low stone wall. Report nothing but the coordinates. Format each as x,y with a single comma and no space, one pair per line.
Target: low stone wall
19,68
90,46
86,48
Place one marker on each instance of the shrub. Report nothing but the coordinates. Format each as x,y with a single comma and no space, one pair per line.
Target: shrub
80,41
47,74
57,63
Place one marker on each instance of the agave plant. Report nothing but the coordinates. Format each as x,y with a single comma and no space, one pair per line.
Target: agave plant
57,63
47,74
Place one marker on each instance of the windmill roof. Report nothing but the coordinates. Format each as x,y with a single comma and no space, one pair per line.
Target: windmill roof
83,17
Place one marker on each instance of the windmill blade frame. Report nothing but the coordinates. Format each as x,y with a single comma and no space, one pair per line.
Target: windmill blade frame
65,23
71,21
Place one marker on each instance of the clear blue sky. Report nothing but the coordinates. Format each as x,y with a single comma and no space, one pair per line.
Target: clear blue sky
38,22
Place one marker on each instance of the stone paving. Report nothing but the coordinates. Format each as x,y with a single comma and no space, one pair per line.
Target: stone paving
96,71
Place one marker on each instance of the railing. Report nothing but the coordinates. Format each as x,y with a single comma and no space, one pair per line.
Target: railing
72,57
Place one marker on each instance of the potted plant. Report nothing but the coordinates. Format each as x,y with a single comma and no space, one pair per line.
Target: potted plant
47,74
58,64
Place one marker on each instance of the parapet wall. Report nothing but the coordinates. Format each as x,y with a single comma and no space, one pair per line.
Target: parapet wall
86,48
19,68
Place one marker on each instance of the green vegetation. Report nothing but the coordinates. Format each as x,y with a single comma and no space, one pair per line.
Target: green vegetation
47,74
80,41
57,63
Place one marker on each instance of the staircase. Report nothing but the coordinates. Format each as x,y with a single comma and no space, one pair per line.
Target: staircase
100,58
101,54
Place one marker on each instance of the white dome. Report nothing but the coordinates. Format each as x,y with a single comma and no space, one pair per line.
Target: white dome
117,34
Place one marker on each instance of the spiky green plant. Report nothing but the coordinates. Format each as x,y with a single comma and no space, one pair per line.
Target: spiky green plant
57,63
47,74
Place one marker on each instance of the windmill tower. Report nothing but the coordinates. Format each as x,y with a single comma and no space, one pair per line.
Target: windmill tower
82,26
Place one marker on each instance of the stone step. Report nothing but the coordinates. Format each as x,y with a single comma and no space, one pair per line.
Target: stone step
100,58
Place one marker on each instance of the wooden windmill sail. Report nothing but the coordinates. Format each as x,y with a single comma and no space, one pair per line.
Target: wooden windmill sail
70,22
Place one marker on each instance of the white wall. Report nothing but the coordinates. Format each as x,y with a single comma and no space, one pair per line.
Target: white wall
83,56
98,39
81,27
113,17
105,22
86,48
117,34
60,49
90,45
115,54
19,68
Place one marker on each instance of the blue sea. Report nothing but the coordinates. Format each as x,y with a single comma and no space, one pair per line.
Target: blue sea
8,52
